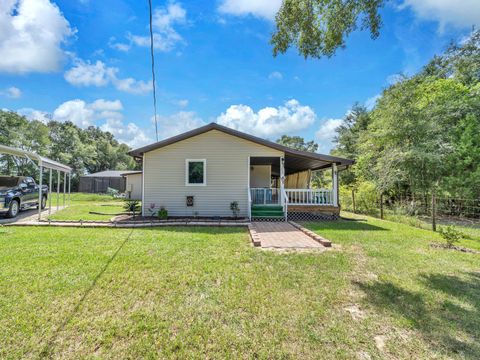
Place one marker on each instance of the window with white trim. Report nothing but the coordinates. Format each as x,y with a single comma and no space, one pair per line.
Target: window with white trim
196,172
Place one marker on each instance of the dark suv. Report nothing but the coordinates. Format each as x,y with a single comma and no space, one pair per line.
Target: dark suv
19,193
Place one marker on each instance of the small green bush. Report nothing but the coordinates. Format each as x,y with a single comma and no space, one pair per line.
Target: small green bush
132,206
163,213
451,234
235,209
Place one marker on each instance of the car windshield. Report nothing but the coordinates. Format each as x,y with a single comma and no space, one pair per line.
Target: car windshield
8,182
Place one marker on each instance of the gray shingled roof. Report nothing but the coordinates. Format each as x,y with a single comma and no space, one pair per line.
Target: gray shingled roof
111,173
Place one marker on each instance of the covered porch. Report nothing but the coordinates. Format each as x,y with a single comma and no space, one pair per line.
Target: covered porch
298,186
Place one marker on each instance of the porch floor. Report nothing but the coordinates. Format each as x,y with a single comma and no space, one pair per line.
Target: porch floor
282,235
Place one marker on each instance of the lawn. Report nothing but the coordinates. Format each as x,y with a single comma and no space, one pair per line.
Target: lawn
382,292
81,205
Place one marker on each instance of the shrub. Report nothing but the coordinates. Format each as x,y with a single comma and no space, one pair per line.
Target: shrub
451,235
132,206
235,209
163,213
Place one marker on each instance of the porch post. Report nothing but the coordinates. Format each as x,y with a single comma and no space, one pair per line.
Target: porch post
282,180
50,193
40,194
335,184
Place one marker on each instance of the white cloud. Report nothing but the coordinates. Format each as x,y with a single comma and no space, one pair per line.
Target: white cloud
112,42
177,123
276,75
103,113
76,111
372,101
12,92
31,34
266,9
326,133
269,121
165,37
33,114
106,105
181,102
129,133
462,14
87,74
132,86
98,74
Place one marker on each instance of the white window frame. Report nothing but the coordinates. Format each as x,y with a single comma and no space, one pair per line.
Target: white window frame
187,161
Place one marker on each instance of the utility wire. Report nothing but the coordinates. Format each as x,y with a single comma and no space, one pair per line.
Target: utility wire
153,70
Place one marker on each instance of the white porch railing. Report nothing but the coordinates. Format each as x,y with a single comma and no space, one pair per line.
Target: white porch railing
310,196
265,196
271,196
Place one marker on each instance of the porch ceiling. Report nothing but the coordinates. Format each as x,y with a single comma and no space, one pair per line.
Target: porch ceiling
293,164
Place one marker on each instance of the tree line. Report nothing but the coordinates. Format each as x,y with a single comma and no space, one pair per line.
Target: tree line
423,134
85,150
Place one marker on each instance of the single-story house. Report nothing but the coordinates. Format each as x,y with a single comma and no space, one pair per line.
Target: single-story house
99,182
201,172
133,184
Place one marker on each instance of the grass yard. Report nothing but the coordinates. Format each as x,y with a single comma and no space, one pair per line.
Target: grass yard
82,204
206,293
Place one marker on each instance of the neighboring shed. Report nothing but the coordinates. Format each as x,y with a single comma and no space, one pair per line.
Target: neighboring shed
99,182
133,184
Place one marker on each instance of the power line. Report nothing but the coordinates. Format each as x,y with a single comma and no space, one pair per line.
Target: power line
153,70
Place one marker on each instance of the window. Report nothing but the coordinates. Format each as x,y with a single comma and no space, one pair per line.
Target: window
196,172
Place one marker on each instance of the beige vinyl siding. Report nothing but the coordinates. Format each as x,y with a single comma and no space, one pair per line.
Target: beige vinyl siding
227,170
260,176
134,184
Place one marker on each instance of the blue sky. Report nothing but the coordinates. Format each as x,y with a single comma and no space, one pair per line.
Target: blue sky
88,61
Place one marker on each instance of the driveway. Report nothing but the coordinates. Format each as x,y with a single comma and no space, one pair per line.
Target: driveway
26,215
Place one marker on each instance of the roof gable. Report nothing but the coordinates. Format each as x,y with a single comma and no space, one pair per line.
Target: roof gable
214,126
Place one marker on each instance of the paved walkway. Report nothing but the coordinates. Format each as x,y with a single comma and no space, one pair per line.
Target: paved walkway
283,235
28,216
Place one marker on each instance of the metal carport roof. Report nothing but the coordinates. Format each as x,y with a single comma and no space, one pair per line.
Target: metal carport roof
42,161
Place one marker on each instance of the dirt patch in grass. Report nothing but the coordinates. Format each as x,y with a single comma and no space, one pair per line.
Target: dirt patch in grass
454,247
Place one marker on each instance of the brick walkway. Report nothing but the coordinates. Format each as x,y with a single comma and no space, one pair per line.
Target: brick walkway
283,235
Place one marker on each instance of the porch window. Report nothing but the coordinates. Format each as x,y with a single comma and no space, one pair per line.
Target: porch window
196,172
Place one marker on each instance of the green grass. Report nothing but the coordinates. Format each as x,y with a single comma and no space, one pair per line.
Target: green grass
424,301
207,293
82,204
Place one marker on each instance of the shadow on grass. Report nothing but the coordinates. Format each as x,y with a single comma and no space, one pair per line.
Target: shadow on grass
48,348
346,224
445,323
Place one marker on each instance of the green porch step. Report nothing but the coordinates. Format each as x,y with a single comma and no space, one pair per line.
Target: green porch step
267,207
267,211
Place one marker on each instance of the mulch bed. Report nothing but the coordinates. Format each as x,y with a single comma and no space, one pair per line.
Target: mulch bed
129,218
454,247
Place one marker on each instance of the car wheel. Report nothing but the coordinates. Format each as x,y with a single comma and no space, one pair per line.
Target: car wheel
44,202
13,209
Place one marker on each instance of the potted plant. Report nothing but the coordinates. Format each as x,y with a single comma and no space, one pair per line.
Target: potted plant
162,213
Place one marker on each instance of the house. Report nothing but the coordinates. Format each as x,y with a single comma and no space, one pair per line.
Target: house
133,184
99,182
201,172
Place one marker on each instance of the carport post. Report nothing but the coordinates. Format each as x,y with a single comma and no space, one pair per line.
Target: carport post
50,193
40,194
58,189
69,186
64,187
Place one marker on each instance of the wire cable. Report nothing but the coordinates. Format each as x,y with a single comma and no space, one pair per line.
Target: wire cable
153,70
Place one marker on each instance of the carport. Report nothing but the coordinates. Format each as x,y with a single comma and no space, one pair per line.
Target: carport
45,163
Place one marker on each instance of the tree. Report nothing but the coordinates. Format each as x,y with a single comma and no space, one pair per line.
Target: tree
347,140
84,150
298,143
319,27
